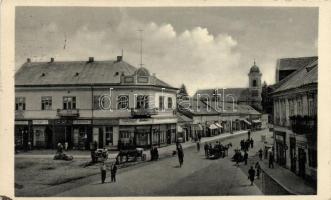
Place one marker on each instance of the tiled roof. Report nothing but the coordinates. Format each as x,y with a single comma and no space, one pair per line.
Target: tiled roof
294,63
75,73
303,76
240,94
183,118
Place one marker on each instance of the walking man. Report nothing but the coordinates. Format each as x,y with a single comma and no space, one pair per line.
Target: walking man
252,143
198,146
251,175
103,170
260,153
113,171
206,149
180,154
245,157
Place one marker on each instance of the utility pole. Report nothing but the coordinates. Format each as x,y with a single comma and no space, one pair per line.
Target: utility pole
141,47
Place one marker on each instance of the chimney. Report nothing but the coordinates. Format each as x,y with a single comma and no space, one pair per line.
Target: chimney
28,60
91,59
119,58
52,60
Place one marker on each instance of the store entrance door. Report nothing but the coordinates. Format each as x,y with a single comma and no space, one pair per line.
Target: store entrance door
293,156
302,162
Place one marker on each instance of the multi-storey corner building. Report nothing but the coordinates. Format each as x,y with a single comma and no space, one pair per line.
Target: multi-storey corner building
295,120
110,102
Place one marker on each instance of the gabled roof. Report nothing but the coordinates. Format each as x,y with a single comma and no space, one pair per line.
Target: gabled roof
240,94
294,63
305,75
75,73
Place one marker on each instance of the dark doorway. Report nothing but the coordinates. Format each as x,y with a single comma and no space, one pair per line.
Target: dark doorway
293,156
101,138
49,136
302,162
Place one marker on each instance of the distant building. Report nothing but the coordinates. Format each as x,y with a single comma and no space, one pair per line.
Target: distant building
210,118
110,102
295,120
249,96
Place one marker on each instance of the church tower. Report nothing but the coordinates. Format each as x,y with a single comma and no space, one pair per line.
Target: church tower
255,87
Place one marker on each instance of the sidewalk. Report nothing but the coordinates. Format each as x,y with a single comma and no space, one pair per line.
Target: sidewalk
282,176
163,151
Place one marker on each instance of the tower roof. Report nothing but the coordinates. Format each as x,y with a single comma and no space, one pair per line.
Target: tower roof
254,68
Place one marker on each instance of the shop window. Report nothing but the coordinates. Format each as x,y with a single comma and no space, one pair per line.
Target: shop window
312,155
69,103
46,103
169,102
123,102
161,102
162,137
142,102
109,135
20,103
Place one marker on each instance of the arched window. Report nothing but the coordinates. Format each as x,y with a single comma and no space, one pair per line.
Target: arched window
254,83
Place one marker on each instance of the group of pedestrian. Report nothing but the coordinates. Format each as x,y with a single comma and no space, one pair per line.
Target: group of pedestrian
246,144
254,172
113,170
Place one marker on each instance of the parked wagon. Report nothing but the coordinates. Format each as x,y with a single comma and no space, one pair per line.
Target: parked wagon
130,155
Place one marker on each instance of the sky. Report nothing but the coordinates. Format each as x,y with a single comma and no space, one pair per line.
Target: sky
201,47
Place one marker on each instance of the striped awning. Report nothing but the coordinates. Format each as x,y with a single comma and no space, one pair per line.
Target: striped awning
218,125
213,126
256,121
247,122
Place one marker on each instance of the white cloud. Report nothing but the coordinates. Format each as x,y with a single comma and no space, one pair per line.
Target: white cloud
194,57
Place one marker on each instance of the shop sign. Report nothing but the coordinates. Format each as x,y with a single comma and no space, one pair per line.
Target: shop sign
146,121
21,122
81,122
280,138
40,122
105,122
63,122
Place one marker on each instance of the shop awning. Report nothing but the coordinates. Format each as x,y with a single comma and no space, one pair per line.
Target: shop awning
247,122
256,121
218,125
213,126
179,129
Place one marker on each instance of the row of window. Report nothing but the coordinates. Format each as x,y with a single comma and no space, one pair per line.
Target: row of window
295,107
99,102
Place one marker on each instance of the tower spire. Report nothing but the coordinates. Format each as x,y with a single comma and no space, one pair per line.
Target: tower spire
254,61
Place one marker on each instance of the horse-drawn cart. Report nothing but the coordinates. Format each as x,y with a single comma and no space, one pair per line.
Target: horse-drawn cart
130,155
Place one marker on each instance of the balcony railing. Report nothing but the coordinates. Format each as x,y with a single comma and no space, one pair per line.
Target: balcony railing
68,113
304,124
146,112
